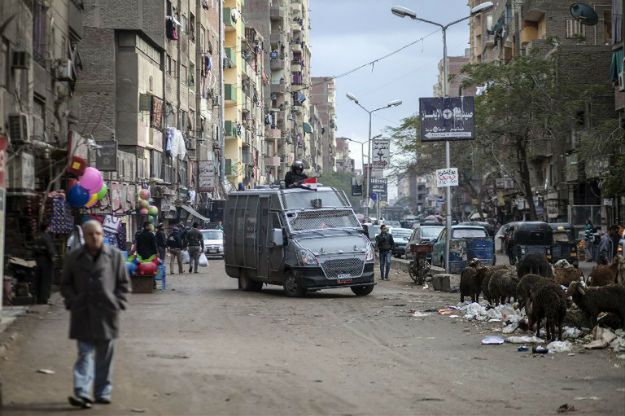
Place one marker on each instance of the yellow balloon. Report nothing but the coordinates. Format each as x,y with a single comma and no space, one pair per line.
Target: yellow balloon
92,200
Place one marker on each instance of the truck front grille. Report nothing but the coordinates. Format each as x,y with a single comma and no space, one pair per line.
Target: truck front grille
344,267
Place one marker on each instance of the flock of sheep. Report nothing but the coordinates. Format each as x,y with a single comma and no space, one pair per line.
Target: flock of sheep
546,292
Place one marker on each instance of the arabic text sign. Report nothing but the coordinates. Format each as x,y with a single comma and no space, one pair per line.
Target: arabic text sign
449,118
381,154
206,175
446,177
379,187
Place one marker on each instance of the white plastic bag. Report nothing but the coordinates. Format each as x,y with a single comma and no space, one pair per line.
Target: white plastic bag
203,261
186,258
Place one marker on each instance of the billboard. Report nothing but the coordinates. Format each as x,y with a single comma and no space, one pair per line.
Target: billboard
380,154
449,118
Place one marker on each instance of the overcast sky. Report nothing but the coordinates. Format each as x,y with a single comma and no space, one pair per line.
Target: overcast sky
348,33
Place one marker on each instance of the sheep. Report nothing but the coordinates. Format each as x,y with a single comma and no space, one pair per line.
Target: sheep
547,301
594,300
471,280
565,275
502,285
486,274
605,275
526,284
534,264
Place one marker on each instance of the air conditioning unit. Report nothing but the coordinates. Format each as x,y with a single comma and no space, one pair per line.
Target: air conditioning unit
21,60
65,71
18,127
217,101
38,128
621,81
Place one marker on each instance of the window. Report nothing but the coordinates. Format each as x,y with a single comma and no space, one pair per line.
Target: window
202,39
169,65
184,28
182,121
156,164
40,41
191,75
575,30
5,62
192,28
183,74
469,233
192,121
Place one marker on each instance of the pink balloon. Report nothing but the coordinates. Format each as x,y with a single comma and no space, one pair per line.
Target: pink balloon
143,211
91,180
144,194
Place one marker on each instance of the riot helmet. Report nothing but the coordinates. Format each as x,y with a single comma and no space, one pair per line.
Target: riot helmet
297,167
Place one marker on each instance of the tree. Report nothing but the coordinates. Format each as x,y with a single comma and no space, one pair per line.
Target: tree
524,106
342,181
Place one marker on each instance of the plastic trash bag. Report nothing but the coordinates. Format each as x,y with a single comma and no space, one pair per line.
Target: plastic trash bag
492,340
203,261
186,258
559,346
524,340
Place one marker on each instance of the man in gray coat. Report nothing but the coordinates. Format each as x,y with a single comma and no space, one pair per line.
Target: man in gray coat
95,285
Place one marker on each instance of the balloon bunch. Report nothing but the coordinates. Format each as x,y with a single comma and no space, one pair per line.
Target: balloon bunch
89,189
142,267
144,206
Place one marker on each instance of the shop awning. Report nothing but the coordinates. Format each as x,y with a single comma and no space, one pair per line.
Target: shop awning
194,213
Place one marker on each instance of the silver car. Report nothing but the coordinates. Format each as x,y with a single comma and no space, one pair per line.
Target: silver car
213,243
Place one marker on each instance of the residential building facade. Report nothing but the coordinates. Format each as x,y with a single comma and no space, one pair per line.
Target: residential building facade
323,96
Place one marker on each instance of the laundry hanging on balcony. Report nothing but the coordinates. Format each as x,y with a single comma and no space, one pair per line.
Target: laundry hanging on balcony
170,28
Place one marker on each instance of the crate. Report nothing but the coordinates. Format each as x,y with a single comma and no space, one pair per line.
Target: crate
142,284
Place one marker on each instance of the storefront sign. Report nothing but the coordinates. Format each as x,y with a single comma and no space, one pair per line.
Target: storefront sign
206,175
106,156
446,177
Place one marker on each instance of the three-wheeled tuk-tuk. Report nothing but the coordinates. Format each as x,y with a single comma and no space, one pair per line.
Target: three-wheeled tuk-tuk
529,237
564,244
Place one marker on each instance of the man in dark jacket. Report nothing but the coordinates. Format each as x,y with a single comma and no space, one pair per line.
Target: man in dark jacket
195,241
94,286
296,176
44,252
161,242
175,245
384,242
146,242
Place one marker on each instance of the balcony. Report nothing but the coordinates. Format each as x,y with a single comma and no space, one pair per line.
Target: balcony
278,88
277,13
276,64
529,34
297,66
296,47
230,93
278,38
272,134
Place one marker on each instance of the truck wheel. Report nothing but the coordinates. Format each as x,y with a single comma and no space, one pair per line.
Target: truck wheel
292,286
248,285
362,290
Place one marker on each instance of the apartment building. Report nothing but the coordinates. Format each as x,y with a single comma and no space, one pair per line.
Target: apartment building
343,163
455,77
323,97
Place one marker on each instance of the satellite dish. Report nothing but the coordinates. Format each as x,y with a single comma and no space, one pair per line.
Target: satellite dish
584,14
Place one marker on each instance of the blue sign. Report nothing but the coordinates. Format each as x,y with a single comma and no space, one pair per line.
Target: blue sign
449,118
374,196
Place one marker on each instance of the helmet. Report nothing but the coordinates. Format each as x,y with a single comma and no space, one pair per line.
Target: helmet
297,166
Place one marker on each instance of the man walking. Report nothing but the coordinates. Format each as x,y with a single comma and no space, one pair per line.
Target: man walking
161,243
195,241
44,252
174,243
94,286
385,244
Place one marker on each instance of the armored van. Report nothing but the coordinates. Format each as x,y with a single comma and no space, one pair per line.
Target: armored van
301,239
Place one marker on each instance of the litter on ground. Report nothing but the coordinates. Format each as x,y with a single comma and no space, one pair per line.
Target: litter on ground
492,340
559,346
524,340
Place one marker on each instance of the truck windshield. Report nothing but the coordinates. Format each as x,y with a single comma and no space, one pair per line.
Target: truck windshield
322,219
304,200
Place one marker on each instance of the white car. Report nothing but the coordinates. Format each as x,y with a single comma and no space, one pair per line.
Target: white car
213,243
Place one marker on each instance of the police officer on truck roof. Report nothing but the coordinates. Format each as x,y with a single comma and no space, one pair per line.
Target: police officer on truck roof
296,176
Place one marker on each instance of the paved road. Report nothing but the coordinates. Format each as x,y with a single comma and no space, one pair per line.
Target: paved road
203,347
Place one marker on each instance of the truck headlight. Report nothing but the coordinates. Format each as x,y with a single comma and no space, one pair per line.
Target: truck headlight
369,253
306,257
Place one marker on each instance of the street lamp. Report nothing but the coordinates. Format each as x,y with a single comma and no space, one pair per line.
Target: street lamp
405,12
393,103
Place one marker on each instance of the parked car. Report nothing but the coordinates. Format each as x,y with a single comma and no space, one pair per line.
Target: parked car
213,243
392,223
529,237
467,242
400,237
424,234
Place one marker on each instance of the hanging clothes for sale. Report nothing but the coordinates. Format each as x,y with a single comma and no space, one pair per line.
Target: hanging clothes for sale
169,139
60,217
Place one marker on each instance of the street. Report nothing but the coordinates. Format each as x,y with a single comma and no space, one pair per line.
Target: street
203,347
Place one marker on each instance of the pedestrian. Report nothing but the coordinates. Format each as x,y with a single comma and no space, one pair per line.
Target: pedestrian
615,236
385,244
195,241
220,226
76,239
606,247
589,230
175,245
94,286
44,252
161,242
146,242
